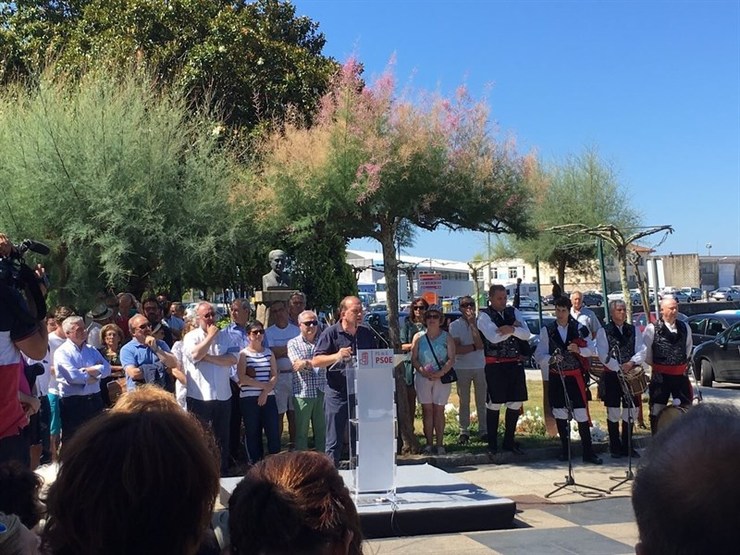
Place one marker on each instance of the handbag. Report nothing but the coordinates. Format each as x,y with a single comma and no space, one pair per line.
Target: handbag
450,376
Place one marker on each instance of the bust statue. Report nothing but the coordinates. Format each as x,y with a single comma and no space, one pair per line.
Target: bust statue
276,278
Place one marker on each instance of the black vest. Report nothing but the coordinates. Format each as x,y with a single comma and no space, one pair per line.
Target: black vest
621,344
513,347
571,361
669,348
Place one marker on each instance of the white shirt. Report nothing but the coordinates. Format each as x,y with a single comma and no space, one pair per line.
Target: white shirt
588,319
206,381
93,335
474,360
54,343
490,330
279,337
602,347
542,353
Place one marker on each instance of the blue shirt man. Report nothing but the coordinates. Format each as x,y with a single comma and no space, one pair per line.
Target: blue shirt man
144,358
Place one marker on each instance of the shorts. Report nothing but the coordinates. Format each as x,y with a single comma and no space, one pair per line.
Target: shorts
613,394
506,382
284,392
557,397
431,391
55,422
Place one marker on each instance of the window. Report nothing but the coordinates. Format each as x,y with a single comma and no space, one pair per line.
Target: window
697,326
495,273
512,272
734,334
715,327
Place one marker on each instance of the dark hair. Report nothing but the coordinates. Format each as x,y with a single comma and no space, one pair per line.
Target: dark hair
293,503
418,301
562,302
19,493
495,288
256,325
140,483
686,495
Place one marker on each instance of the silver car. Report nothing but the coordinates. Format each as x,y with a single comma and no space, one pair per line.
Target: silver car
725,294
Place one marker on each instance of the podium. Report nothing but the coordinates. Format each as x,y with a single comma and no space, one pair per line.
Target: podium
371,388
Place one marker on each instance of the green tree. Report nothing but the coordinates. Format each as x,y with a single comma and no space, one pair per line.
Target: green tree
373,163
583,189
129,187
257,60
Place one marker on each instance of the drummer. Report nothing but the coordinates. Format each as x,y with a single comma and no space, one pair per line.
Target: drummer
620,349
668,343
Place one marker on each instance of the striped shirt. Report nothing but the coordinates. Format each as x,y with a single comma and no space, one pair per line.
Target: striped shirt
306,383
260,362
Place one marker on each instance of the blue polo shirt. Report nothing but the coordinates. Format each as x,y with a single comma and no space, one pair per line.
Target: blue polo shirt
138,354
334,338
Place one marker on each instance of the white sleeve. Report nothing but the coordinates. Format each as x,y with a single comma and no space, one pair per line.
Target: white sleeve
602,348
647,340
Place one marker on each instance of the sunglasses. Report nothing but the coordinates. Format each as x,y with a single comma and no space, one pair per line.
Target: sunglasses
433,316
467,305
420,308
257,332
310,323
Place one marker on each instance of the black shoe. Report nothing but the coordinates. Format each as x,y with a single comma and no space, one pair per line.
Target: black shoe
593,458
514,449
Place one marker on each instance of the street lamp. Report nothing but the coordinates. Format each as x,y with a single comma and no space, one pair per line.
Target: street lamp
709,249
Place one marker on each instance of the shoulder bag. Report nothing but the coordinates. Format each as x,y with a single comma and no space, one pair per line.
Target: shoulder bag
450,376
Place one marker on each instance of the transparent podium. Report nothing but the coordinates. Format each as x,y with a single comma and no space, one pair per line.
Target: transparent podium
371,386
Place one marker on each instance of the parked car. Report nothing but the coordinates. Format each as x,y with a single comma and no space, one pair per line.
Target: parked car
591,298
677,294
619,296
525,303
533,323
548,300
725,294
640,320
706,327
694,293
719,360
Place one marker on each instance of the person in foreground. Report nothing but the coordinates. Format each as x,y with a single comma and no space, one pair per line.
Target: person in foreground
700,514
294,503
141,483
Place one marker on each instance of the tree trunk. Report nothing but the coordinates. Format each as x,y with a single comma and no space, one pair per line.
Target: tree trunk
561,273
390,271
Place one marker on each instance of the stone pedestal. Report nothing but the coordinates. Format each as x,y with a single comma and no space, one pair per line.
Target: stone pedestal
263,300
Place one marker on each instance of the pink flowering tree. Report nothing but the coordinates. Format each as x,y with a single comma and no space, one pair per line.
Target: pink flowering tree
374,160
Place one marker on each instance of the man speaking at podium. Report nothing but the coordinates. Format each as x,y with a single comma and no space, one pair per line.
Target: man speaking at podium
336,350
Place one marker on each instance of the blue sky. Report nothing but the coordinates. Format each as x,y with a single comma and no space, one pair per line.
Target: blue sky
654,86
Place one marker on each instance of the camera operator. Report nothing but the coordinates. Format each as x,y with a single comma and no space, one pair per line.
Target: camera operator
19,333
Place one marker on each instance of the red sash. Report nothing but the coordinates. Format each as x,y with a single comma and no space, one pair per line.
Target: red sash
671,370
578,375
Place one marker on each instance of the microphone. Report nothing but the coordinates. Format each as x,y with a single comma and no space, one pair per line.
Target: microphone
31,245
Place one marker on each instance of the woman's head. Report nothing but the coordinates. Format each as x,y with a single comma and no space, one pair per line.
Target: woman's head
256,332
294,503
418,309
112,336
147,397
433,316
133,483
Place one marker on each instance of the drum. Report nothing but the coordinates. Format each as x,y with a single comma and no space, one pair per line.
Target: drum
637,380
597,368
668,415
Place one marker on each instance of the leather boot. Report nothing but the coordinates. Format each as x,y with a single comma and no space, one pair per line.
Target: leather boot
625,440
563,433
615,445
511,418
492,425
584,430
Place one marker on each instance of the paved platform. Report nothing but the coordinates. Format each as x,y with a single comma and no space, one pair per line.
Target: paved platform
566,523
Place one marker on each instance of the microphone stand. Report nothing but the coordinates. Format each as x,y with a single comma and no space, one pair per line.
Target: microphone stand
570,481
629,475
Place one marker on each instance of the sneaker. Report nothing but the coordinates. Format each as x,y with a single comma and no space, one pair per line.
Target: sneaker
428,450
441,450
463,439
